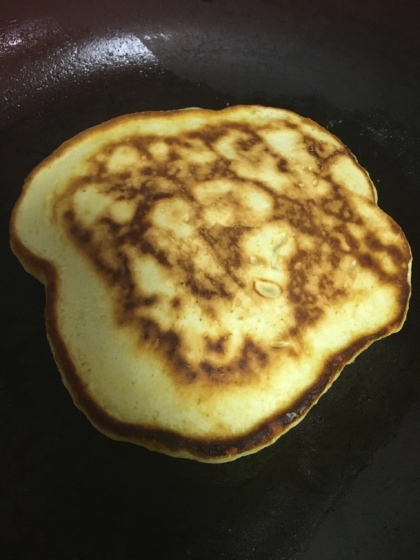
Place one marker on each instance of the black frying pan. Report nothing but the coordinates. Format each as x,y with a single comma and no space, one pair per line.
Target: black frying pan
344,484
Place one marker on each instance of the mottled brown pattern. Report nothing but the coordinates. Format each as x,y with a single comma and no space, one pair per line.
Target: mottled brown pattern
104,243
330,242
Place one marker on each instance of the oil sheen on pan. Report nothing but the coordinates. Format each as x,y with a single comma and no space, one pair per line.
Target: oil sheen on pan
208,273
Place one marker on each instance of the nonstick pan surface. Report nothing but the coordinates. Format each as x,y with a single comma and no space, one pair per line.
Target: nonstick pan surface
344,484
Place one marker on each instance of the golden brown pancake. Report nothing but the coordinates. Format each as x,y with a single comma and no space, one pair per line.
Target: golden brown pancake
208,273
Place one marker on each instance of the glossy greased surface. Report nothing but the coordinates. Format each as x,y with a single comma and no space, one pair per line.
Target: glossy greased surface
342,484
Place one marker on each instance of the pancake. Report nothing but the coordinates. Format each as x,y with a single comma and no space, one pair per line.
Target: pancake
208,273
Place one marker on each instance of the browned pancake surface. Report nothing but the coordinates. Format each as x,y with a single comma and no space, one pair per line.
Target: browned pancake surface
244,262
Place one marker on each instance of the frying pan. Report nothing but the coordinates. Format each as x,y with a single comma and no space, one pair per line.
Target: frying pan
344,484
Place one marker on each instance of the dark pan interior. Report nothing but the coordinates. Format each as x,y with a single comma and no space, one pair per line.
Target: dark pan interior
344,484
